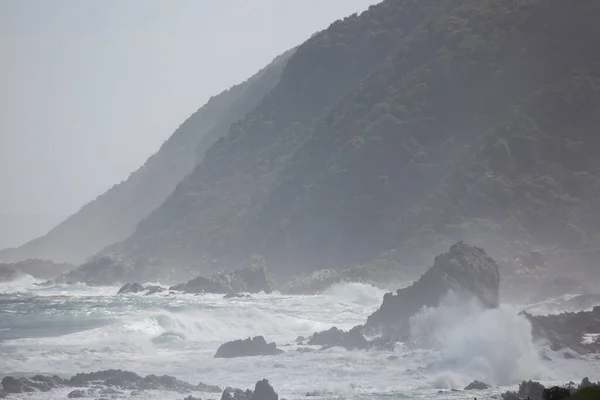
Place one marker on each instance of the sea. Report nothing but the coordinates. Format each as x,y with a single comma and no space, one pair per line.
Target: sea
66,329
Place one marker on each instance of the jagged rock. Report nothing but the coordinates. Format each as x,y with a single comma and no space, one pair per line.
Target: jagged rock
236,394
477,385
257,346
76,394
465,270
264,391
249,280
558,287
334,337
575,331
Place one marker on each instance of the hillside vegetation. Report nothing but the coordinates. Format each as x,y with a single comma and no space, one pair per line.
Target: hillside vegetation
393,132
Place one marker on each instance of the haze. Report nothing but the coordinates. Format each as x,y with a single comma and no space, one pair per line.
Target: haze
91,89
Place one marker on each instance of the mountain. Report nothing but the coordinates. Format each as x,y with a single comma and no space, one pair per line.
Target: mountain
114,215
378,140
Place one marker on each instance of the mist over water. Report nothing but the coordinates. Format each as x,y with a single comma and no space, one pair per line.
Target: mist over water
82,329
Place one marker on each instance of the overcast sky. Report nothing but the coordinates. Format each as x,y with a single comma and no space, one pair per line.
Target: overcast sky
89,89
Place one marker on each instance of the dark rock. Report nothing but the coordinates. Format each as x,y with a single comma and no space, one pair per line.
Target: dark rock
477,385
232,295
236,394
190,397
464,270
556,393
24,385
567,330
256,346
250,280
392,358
76,394
264,391
334,337
138,288
131,288
300,339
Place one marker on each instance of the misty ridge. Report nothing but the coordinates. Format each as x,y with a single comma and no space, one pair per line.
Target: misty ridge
405,205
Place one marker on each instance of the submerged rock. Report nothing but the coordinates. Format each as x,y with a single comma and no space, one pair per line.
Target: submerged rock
257,346
248,280
464,270
138,288
477,385
334,337
131,288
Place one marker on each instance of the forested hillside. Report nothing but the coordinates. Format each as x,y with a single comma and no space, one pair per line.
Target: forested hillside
114,215
417,122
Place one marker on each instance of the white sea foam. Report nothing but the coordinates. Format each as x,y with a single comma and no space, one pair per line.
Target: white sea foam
178,335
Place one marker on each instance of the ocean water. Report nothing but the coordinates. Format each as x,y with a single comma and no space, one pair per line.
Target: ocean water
69,329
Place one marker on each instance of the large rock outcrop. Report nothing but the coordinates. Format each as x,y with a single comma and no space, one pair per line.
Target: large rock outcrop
257,346
248,280
464,270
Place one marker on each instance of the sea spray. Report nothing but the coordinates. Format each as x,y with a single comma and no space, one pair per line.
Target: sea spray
490,345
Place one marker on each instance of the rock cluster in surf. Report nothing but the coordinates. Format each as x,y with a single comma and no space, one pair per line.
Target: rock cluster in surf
576,331
96,382
247,280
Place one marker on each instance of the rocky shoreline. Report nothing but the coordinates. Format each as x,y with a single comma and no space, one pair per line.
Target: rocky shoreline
116,384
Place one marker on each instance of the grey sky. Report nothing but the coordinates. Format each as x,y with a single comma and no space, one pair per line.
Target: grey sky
89,89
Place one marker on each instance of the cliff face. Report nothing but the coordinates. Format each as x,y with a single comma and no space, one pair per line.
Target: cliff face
397,132
464,270
113,216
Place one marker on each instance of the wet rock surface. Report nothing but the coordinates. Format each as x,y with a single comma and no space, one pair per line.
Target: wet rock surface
256,346
132,288
334,337
464,270
101,383
575,331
